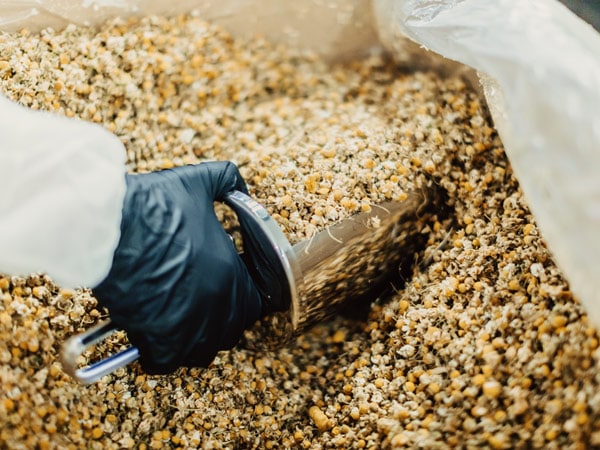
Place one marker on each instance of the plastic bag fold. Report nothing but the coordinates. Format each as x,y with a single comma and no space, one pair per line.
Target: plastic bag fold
332,28
540,67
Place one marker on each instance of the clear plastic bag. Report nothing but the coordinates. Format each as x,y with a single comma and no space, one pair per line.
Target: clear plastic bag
540,71
333,28
50,190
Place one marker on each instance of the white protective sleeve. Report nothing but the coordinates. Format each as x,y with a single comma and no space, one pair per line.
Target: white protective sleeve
63,185
541,76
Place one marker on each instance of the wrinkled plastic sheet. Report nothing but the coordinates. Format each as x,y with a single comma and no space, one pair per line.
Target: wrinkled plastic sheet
333,28
540,71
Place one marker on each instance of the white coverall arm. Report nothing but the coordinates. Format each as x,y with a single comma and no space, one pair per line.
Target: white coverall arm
63,185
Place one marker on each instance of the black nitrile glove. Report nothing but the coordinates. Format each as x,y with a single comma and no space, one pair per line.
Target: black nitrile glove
177,285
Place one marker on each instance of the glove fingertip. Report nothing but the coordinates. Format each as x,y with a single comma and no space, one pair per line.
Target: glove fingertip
225,177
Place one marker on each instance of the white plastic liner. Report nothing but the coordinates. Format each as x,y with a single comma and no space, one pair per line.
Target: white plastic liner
540,68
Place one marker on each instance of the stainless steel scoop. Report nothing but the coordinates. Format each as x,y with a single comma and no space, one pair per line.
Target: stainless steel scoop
344,262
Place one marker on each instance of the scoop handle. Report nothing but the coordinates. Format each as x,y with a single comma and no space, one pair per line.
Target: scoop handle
262,223
74,347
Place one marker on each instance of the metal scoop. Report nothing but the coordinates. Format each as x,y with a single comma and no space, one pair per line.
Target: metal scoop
344,262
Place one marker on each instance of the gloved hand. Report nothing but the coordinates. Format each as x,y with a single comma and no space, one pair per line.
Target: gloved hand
177,285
